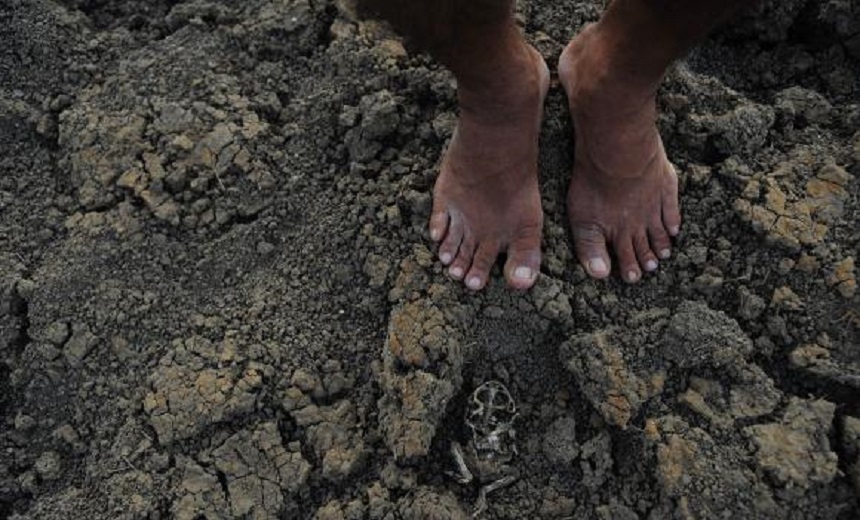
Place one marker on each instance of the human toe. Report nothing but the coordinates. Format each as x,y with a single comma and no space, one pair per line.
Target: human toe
658,236
453,238
671,209
627,260
482,263
523,263
646,257
463,261
438,225
590,245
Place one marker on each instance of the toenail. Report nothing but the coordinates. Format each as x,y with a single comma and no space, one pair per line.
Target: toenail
474,283
666,253
456,272
523,273
435,234
632,276
445,257
597,266
650,265
674,230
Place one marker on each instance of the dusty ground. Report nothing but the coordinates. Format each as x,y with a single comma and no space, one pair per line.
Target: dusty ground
217,297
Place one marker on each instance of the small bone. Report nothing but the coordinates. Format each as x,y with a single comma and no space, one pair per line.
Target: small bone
465,476
481,503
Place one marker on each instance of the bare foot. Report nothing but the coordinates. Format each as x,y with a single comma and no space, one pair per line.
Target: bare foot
624,191
486,198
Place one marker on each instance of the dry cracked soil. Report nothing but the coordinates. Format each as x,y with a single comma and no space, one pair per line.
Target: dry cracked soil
218,299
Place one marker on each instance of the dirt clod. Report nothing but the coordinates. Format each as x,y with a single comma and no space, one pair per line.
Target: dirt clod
189,393
796,451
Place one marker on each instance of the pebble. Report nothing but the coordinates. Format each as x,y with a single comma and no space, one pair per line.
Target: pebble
49,465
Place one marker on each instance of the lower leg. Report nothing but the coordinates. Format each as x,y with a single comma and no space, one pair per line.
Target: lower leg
486,198
645,36
624,191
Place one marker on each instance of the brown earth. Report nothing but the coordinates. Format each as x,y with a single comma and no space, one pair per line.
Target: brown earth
218,297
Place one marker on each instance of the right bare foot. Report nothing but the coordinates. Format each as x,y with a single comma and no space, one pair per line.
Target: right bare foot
624,191
486,199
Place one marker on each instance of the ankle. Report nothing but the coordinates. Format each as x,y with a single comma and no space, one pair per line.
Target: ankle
614,68
511,85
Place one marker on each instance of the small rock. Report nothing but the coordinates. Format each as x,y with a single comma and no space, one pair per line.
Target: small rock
804,106
392,48
615,511
295,399
427,504
168,211
176,181
49,465
67,434
708,283
340,462
550,300
183,142
341,30
750,305
355,510
306,381
25,288
555,506
28,482
752,191
121,348
308,415
786,299
444,124
376,268
785,266
698,174
843,278
807,263
348,116
264,248
24,422
57,333
378,501
47,351
330,511
79,344
132,179
851,447
380,116
856,150
559,442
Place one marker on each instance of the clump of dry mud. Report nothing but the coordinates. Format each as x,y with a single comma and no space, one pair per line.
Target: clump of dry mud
217,298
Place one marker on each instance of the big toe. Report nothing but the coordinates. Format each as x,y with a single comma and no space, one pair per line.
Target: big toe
590,245
523,264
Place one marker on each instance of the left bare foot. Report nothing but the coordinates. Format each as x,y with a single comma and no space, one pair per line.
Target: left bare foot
624,191
486,199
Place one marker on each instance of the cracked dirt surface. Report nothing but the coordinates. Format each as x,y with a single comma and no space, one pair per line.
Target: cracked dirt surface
218,300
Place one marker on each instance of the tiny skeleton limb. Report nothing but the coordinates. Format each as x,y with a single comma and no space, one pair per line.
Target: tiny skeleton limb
481,503
464,476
